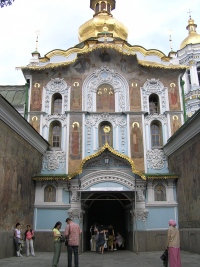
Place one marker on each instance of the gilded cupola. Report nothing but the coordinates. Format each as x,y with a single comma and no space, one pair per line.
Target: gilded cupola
102,22
193,36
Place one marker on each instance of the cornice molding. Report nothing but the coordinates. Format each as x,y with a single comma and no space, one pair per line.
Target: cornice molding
14,120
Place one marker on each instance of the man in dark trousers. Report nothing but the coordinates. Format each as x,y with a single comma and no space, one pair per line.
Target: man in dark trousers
72,232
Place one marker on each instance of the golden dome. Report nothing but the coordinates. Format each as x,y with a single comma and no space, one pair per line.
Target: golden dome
103,22
193,36
98,24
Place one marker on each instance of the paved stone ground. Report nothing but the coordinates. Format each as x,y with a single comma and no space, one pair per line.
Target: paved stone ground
108,259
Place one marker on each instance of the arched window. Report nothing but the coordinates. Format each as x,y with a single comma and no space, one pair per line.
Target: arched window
156,134
49,194
154,104
189,76
160,193
105,98
103,6
198,73
108,8
97,7
57,104
105,133
55,134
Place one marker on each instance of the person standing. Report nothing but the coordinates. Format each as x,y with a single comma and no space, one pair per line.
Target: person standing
57,243
173,244
29,236
72,233
111,237
18,239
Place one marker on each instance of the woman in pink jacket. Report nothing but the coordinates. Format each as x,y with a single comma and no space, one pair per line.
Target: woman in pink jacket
173,244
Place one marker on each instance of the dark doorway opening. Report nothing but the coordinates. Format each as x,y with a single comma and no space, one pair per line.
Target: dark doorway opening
106,208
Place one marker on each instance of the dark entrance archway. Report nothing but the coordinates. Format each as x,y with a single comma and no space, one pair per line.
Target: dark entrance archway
107,208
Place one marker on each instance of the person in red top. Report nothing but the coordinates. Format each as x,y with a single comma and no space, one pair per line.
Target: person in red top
72,232
29,236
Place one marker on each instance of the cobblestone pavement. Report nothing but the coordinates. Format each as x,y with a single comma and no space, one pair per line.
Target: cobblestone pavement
108,259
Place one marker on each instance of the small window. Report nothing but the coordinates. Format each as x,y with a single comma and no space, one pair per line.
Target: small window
154,104
55,134
57,104
97,8
198,73
103,6
189,76
156,134
108,8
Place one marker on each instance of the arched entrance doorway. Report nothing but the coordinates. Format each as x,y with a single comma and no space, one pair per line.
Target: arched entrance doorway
108,207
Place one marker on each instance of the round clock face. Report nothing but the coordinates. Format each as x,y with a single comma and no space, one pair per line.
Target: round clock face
106,129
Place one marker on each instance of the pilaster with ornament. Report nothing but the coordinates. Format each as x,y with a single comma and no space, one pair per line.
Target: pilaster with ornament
153,86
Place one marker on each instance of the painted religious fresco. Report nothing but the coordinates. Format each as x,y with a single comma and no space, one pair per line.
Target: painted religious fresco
105,98
35,122
175,123
135,98
36,101
76,95
174,101
75,143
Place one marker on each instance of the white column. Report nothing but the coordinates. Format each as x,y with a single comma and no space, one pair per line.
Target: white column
193,75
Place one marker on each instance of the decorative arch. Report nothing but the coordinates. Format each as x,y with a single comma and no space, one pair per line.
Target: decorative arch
105,75
154,86
108,176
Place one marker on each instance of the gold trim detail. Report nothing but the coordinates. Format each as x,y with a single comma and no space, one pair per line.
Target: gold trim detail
162,177
125,50
106,146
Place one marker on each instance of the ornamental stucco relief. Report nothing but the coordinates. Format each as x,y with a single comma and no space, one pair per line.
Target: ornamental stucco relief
76,214
108,176
156,159
56,85
140,214
151,117
48,118
53,160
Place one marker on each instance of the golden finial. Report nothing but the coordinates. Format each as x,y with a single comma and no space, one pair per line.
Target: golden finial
170,39
189,13
37,34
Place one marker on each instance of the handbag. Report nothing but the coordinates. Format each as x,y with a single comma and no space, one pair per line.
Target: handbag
66,242
164,257
33,237
62,238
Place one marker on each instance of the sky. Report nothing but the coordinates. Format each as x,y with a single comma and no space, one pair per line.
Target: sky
58,22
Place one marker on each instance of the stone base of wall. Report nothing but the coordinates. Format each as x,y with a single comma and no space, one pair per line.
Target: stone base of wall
7,248
190,240
143,241
150,241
